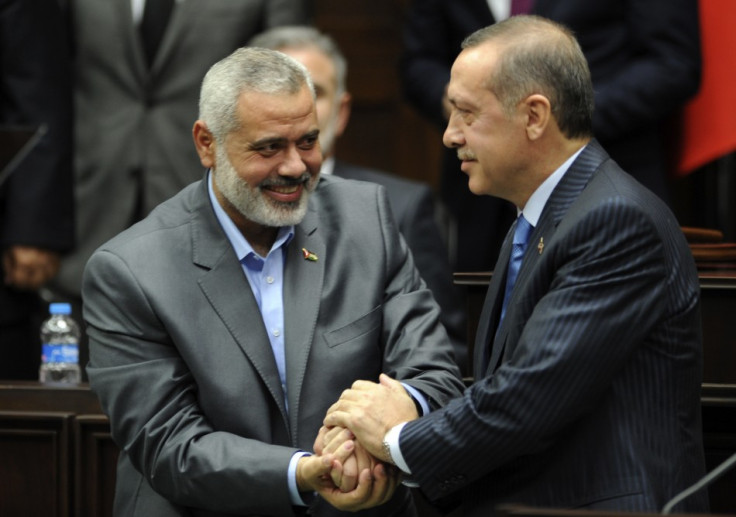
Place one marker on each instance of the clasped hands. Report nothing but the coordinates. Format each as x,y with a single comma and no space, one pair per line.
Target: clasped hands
29,268
350,468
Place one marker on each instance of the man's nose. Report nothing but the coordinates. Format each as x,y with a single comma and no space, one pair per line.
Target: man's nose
452,136
293,164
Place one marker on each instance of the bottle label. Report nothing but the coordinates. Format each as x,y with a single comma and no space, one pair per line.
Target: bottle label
59,353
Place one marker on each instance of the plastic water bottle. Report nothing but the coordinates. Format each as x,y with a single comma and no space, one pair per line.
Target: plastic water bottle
60,346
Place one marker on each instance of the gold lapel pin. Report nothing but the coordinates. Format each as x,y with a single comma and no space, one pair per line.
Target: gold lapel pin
540,246
308,255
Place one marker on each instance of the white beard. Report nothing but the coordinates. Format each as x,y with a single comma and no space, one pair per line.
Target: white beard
252,203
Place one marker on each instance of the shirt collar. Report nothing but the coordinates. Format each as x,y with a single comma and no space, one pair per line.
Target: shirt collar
239,243
328,166
533,208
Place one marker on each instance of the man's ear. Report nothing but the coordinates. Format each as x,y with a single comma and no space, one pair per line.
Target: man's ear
539,115
343,113
204,142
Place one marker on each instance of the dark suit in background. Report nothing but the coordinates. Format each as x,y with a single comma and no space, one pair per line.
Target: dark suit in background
36,202
433,32
644,57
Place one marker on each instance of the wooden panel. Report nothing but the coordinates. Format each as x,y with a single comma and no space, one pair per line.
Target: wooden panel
35,471
95,466
718,299
32,395
383,132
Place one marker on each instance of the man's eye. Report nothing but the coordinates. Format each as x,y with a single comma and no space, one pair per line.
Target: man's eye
309,142
268,149
465,114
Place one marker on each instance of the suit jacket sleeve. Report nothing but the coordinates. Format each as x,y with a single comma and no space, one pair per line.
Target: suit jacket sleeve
419,228
417,350
578,329
149,393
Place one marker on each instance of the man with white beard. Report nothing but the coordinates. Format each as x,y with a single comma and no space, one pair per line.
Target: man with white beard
224,325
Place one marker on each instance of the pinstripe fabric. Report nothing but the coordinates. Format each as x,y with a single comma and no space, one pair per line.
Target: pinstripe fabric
595,400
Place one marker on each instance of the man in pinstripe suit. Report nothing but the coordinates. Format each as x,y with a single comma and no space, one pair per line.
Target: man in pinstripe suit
587,390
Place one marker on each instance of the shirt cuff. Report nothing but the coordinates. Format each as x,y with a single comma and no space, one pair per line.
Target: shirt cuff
392,439
419,398
296,497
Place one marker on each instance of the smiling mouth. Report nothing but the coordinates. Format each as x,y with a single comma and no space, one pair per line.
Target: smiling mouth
290,193
285,189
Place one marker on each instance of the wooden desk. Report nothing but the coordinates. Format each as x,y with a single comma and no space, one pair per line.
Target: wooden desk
57,456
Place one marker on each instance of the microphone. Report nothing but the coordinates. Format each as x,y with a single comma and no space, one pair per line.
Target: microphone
702,483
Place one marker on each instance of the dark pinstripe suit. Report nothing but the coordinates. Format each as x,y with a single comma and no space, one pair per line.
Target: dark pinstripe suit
594,401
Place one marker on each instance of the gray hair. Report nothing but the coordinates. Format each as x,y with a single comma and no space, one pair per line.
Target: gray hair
540,56
300,36
247,69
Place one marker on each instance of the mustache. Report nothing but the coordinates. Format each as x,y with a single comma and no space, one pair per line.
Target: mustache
465,154
305,178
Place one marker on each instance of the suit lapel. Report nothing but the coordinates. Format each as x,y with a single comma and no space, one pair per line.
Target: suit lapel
303,281
564,194
491,310
228,290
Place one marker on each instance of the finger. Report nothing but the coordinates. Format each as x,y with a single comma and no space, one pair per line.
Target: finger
338,440
355,500
390,383
343,452
337,431
384,483
336,474
319,442
311,472
338,418
363,458
349,475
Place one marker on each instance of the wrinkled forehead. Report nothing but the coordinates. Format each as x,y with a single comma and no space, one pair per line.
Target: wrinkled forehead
256,106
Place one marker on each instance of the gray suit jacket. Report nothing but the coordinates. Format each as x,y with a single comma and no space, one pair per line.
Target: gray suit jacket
181,362
413,206
133,141
590,395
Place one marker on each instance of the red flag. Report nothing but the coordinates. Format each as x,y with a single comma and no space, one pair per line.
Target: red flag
709,119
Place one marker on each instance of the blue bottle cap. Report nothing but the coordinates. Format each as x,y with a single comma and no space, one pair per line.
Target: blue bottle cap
60,308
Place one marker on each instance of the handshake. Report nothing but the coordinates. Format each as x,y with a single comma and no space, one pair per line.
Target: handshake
350,467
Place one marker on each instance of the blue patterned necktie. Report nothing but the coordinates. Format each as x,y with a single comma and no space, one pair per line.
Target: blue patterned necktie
521,237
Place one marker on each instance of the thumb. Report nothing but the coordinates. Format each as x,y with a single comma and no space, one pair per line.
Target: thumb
390,383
